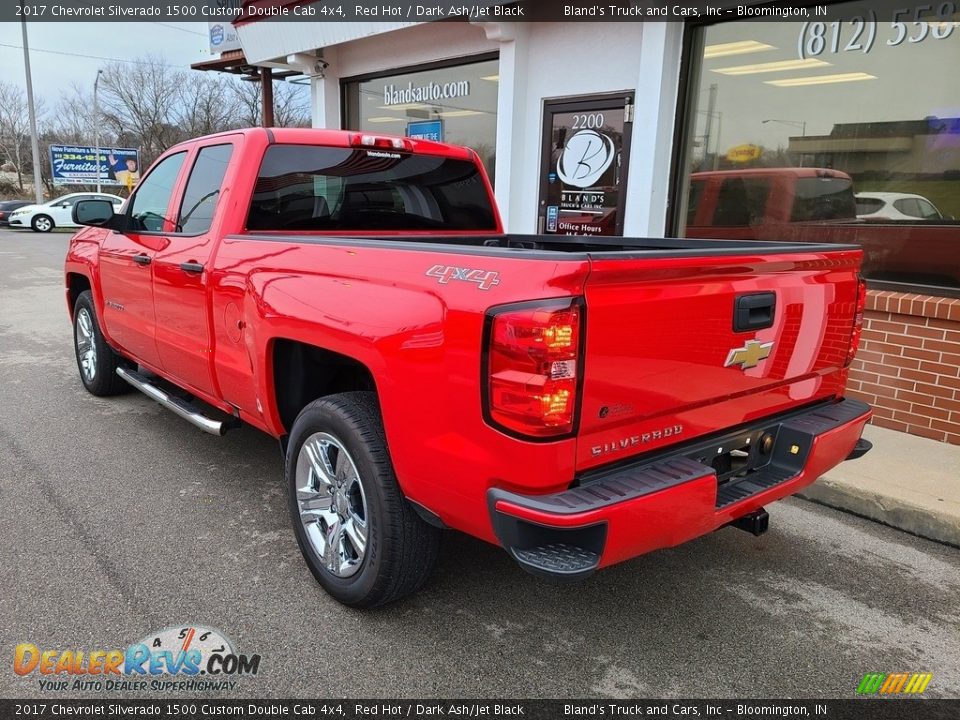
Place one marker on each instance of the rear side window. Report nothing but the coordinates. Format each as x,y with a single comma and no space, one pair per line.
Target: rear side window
203,189
344,189
824,198
866,206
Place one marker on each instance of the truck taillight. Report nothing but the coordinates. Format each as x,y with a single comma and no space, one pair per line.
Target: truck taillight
857,320
533,367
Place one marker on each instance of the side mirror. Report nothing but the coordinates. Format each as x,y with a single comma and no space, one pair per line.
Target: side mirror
97,213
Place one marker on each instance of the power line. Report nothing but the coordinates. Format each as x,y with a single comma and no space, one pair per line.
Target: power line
177,27
91,57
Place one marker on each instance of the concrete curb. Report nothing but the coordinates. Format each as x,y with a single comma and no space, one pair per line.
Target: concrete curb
885,509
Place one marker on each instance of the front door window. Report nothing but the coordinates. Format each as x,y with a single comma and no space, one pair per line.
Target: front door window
148,207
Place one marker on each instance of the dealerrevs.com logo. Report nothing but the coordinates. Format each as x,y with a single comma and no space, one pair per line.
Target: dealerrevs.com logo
894,683
175,658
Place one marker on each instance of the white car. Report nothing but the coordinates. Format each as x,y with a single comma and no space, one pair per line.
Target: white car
56,213
895,206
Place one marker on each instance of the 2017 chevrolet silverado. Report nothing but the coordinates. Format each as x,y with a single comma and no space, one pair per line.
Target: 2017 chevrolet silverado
579,401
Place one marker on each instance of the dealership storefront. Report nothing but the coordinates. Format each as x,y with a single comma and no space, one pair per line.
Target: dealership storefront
839,131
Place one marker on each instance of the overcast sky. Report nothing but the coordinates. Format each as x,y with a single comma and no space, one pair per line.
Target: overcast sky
179,43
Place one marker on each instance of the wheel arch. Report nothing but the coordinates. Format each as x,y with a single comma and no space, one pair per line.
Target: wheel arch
33,220
301,373
76,284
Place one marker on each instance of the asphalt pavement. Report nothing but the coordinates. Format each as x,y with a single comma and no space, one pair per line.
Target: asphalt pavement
119,519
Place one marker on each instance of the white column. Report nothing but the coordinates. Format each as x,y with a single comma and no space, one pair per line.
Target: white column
651,148
511,119
325,91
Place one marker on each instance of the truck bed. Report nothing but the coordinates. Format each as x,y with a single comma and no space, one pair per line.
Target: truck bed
559,246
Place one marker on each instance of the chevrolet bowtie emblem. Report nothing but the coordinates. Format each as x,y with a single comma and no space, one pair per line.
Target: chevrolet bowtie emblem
749,355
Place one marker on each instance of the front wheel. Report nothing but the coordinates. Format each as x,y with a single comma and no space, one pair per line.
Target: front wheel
96,360
42,223
361,539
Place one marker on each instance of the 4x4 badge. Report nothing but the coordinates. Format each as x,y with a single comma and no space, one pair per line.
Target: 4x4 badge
749,355
485,279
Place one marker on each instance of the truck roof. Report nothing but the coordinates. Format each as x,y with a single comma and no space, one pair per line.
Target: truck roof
340,138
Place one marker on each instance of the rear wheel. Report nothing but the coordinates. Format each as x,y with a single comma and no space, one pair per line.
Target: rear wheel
42,223
362,540
96,360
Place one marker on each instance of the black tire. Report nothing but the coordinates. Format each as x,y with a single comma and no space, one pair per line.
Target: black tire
104,381
38,227
401,548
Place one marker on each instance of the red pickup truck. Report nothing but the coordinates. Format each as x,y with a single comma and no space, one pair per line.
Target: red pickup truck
579,401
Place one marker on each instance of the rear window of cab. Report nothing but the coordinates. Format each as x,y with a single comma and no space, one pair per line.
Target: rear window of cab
330,189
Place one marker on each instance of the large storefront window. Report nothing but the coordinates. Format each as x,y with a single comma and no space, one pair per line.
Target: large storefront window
842,130
455,104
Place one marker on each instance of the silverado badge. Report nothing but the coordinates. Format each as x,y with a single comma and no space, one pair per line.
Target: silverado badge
749,355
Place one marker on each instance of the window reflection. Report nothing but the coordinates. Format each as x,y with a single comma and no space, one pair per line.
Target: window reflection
836,131
455,104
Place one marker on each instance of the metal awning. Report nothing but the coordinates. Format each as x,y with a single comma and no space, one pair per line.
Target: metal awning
236,63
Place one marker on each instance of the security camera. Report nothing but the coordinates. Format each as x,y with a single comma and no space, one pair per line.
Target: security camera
320,65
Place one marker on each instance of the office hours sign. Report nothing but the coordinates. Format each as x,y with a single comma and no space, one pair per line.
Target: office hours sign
583,166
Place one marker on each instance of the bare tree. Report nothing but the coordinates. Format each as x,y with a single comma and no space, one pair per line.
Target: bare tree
248,103
15,128
291,104
139,103
206,103
73,121
149,105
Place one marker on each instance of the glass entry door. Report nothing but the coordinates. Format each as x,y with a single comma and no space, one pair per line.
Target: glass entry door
583,165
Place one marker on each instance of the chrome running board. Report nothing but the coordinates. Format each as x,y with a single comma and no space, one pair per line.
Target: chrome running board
181,407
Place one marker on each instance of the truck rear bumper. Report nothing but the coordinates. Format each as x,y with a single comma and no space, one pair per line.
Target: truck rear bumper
666,500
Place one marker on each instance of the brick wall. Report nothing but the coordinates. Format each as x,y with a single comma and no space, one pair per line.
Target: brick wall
908,367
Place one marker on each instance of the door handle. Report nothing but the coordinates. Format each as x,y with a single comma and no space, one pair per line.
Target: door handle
142,259
754,312
191,267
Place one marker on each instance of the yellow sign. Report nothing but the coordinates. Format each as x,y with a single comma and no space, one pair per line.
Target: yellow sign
743,153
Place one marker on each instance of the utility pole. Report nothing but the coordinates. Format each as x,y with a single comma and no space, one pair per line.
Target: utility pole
708,128
34,143
96,125
266,90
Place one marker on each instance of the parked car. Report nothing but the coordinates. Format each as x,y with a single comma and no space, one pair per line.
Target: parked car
895,206
577,400
56,213
7,207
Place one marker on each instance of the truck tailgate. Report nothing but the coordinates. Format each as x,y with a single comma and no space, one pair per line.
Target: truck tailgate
670,357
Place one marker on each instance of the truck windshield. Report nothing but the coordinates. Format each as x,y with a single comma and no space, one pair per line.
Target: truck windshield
304,187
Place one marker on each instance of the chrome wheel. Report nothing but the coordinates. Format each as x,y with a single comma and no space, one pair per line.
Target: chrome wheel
332,504
86,344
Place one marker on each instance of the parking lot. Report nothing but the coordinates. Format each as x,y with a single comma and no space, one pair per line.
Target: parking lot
120,519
